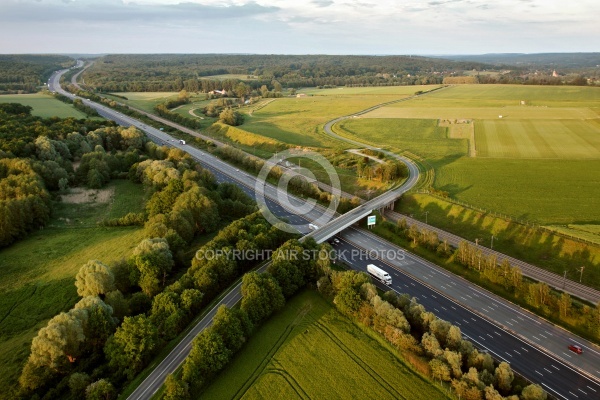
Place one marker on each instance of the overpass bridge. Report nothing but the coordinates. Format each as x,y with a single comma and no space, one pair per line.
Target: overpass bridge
379,203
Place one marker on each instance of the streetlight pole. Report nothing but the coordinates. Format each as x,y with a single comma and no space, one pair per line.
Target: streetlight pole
426,212
565,279
581,274
492,245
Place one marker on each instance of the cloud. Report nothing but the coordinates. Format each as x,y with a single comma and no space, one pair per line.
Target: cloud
322,3
118,11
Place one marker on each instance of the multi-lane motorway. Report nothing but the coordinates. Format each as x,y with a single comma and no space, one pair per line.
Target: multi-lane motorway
507,331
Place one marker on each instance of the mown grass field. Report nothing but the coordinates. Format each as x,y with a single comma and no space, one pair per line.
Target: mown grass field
309,350
241,77
144,100
419,136
563,139
545,191
43,105
370,90
299,121
37,274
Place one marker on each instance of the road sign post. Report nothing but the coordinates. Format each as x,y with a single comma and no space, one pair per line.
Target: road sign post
371,220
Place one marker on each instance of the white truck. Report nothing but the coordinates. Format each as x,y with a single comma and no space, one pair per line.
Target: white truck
380,274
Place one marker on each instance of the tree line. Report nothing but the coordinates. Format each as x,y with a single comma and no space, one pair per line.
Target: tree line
120,73
501,276
25,73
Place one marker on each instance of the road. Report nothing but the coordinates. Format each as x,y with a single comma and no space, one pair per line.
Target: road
576,376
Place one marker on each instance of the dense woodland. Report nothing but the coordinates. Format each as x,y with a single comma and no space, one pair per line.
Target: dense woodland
26,73
173,72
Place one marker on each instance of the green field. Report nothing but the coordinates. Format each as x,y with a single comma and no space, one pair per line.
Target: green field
44,105
309,350
241,77
546,191
509,95
299,121
38,273
419,136
370,90
144,100
566,139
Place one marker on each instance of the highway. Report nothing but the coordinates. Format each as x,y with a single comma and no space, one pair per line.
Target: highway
434,288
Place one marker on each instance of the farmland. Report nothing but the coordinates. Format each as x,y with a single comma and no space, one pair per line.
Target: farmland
298,121
38,272
549,145
144,100
309,350
44,105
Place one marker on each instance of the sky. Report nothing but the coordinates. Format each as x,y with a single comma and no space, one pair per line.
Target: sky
299,26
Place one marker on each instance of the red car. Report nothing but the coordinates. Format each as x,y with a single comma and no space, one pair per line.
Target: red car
576,349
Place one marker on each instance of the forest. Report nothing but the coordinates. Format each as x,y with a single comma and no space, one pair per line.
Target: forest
26,73
192,72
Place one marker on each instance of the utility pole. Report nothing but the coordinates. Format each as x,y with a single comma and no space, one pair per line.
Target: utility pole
581,274
426,212
565,279
492,245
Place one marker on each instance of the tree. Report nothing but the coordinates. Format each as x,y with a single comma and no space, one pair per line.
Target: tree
504,377
154,261
453,338
94,279
230,117
233,325
176,389
59,343
132,345
166,314
454,360
78,382
491,393
100,323
533,392
439,370
100,390
564,304
261,296
209,355
431,345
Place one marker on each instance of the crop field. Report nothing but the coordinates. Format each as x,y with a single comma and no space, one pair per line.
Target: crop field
37,274
43,105
309,350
